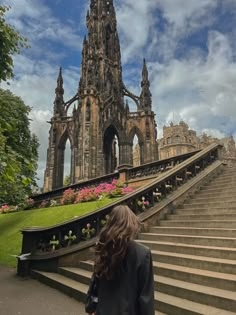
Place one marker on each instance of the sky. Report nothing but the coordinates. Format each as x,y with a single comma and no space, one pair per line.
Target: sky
189,46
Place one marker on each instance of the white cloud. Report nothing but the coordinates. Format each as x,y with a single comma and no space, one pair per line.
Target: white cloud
213,133
198,90
135,23
36,21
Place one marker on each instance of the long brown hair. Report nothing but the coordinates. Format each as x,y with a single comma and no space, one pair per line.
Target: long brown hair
122,226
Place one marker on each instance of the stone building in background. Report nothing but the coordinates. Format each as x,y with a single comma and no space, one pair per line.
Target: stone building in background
101,128
179,139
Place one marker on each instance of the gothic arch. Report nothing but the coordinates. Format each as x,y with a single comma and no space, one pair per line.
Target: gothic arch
110,148
63,139
135,131
60,157
119,128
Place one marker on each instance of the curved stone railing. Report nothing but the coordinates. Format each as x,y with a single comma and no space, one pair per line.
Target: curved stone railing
158,167
150,169
51,242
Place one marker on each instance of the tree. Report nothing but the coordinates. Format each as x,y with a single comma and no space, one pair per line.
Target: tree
67,180
18,149
11,42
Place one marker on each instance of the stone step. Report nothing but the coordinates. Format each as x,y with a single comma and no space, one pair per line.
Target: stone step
194,231
66,285
211,204
205,194
197,262
208,208
227,184
77,274
200,223
219,298
193,217
208,278
223,190
190,210
223,177
177,306
164,284
189,249
86,265
222,183
203,277
190,239
204,200
224,180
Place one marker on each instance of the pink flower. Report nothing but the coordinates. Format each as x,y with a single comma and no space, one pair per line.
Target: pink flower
5,208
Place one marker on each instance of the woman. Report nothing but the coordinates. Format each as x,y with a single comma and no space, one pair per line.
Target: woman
123,267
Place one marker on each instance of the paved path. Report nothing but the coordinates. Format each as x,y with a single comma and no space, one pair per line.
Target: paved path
30,297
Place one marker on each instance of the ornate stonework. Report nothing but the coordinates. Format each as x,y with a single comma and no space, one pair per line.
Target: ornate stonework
179,139
101,116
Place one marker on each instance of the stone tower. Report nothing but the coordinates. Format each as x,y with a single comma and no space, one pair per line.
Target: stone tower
177,139
101,128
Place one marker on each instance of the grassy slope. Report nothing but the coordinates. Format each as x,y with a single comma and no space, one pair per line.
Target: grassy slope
12,223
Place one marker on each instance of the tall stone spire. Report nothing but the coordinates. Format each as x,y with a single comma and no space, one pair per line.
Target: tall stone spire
59,100
146,96
101,58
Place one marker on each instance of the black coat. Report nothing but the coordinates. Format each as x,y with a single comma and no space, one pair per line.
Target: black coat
131,292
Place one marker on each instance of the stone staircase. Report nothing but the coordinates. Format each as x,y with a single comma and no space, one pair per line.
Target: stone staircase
194,255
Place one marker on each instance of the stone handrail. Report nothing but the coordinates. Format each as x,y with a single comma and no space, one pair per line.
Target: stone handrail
42,243
158,167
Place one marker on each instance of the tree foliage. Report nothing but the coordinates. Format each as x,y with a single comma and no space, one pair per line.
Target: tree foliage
11,42
18,149
67,180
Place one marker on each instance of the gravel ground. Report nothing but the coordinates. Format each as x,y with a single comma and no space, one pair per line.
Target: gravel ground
30,297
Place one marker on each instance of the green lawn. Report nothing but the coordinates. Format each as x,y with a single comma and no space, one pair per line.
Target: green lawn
12,223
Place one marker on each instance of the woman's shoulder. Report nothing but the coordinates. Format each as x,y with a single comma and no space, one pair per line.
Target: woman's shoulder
140,249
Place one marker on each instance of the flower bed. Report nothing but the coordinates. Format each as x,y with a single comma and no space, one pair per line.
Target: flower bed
112,190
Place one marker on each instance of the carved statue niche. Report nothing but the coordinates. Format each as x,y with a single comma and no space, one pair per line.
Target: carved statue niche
147,129
109,81
54,136
108,39
88,110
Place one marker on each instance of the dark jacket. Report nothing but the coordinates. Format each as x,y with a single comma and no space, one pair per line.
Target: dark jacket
131,292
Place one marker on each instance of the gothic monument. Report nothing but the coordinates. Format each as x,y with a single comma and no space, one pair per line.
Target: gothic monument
101,128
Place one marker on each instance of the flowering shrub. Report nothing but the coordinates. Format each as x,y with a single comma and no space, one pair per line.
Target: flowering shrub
4,209
28,204
86,194
69,196
44,204
109,190
112,190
